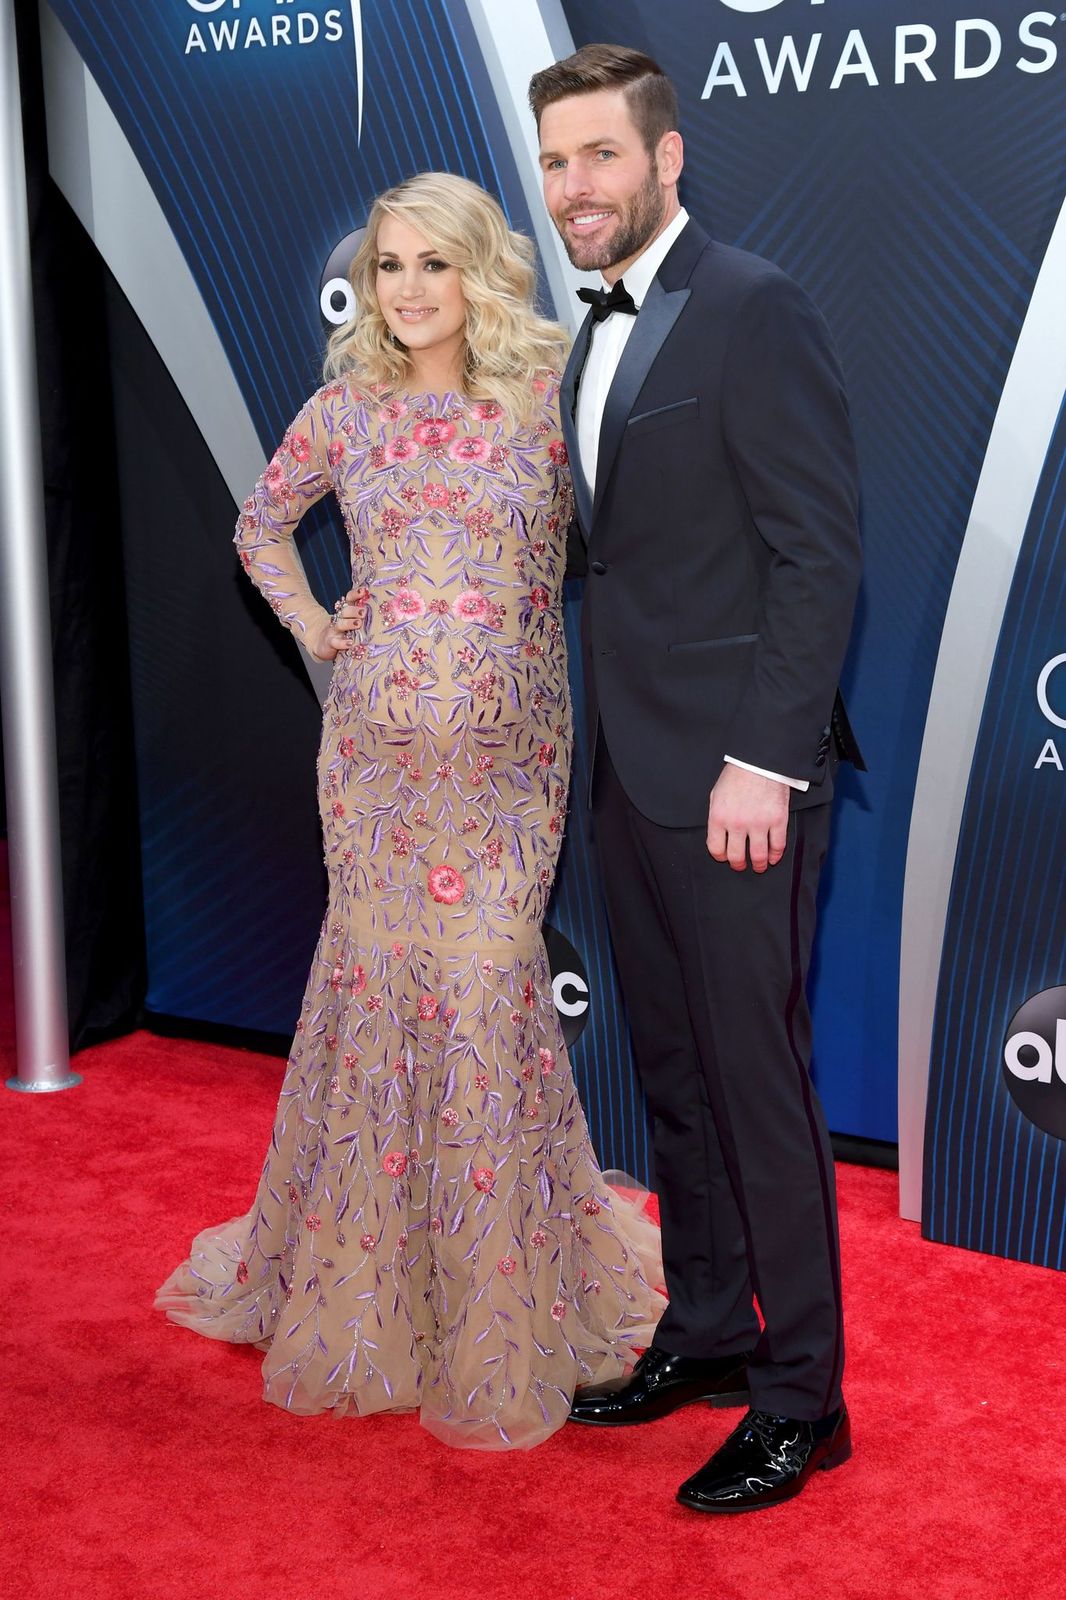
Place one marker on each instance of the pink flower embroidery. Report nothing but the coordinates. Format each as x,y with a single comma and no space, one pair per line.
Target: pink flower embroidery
488,967
472,449
539,598
393,410
538,1238
436,1225
558,1310
528,993
478,523
347,748
393,522
486,410
278,485
506,1265
547,1060
557,451
435,496
470,606
484,1178
358,980
395,1164
427,1007
409,604
368,1243
334,1084
433,435
398,950
481,1080
312,1222
400,449
242,1272
546,755
336,452
446,885
591,1207
300,446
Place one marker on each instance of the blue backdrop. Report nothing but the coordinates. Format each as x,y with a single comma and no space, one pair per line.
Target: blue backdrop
916,212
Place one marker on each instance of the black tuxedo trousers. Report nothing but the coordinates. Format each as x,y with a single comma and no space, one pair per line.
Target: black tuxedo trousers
713,966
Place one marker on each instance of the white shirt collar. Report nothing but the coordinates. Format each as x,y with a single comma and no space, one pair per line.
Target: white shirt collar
638,277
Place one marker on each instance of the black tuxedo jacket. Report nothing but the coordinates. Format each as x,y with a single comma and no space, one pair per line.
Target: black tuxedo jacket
721,543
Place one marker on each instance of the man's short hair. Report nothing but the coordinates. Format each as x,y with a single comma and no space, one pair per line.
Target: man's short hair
650,96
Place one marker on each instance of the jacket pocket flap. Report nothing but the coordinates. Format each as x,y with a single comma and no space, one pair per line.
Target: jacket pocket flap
665,416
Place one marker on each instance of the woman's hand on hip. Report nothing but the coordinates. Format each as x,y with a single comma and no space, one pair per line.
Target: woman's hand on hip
335,633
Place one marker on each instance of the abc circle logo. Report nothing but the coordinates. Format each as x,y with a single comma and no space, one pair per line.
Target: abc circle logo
1034,1060
336,297
570,987
750,7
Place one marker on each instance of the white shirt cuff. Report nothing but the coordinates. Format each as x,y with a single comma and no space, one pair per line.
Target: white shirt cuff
802,784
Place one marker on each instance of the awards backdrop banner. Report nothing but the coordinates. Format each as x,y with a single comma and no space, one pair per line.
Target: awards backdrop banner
904,164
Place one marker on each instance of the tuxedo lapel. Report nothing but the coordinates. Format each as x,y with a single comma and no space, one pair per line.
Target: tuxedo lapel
567,403
656,318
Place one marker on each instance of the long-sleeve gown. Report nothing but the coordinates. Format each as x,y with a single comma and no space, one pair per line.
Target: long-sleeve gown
431,1230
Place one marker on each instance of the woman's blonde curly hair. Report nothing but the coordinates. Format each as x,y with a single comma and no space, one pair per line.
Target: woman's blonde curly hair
507,342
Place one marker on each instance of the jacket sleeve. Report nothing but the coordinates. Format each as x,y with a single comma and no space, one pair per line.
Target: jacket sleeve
577,556
788,434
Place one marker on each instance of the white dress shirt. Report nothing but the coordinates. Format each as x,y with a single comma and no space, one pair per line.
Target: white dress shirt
609,339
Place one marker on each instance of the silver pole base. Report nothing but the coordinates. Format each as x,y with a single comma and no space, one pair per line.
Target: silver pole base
43,1085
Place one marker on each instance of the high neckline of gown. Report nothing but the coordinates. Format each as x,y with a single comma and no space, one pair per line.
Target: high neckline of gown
424,396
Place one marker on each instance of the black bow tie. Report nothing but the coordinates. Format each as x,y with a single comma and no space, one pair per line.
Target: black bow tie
604,301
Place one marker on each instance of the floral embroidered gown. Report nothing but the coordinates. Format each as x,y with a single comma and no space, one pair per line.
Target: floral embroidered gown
431,1229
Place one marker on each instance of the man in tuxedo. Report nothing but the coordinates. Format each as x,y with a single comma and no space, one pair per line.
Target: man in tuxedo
716,491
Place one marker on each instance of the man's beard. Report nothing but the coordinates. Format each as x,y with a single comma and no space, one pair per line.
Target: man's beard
637,224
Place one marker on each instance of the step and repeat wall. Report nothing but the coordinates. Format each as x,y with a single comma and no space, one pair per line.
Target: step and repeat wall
905,163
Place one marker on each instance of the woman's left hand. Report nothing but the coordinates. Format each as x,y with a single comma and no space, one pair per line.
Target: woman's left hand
349,616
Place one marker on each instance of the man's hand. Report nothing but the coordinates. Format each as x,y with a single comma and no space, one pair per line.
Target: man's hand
747,818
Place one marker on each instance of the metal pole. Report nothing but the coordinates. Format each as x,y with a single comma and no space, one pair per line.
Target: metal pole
25,635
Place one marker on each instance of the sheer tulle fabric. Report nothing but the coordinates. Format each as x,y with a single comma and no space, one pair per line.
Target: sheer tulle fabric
431,1231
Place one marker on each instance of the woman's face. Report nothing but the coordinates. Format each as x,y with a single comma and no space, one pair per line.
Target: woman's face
420,295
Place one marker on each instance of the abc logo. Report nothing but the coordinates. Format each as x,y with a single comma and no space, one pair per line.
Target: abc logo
336,300
570,989
1034,1061
751,6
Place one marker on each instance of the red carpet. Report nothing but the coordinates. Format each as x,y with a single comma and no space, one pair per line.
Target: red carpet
140,1462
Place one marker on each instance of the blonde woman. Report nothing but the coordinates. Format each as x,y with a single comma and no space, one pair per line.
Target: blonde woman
431,1230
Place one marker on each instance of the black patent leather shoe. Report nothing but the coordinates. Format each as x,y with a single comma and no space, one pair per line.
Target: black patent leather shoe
766,1460
661,1383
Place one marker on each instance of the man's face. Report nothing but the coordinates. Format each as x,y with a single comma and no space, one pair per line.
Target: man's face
602,189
